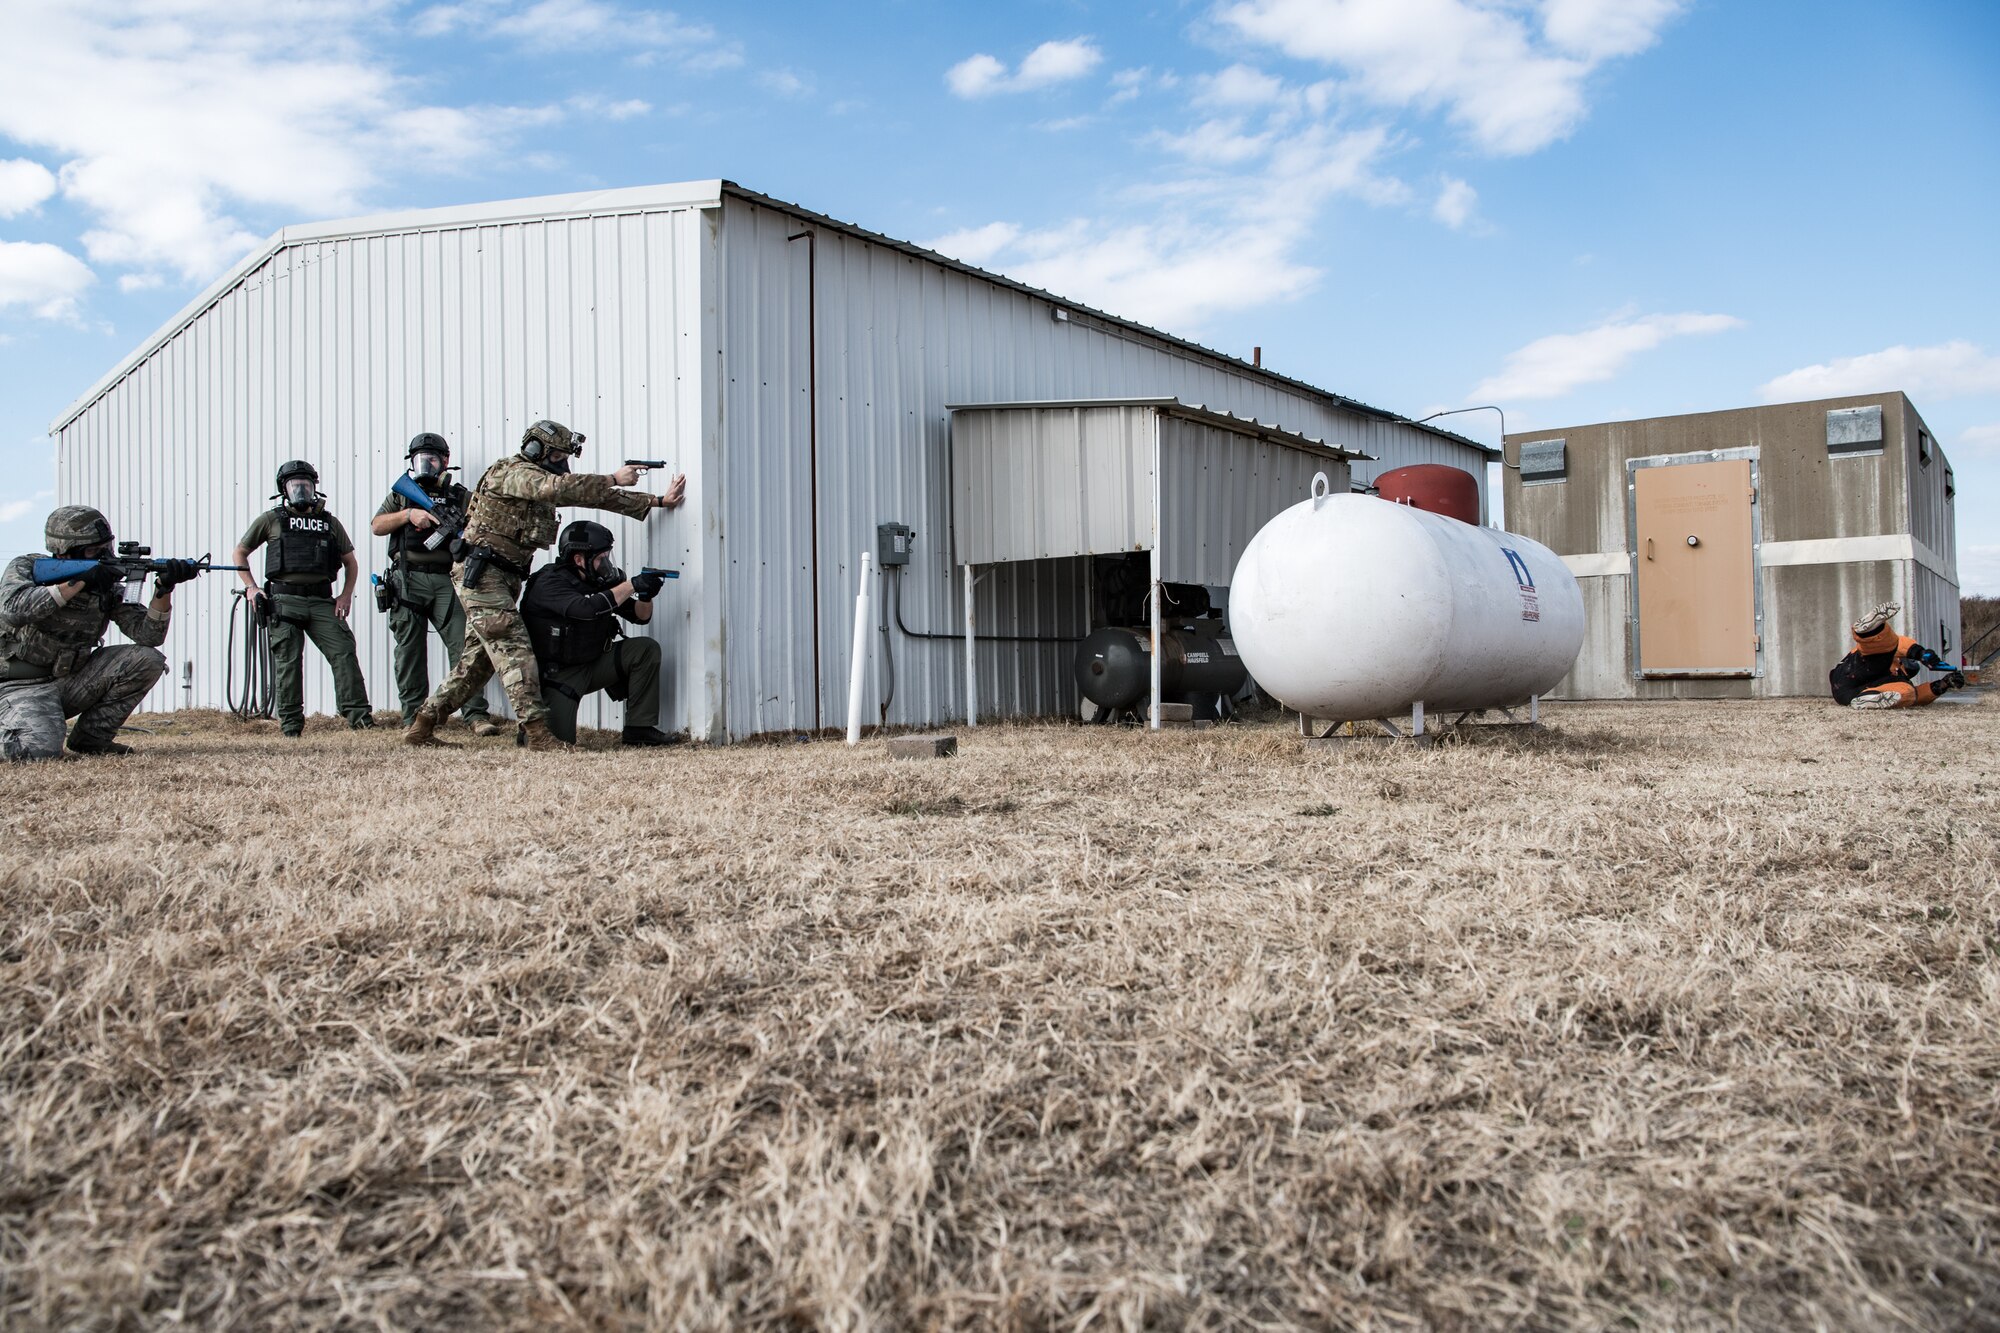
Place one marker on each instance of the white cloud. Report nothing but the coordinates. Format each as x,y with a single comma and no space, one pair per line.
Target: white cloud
644,34
24,184
590,104
785,82
140,282
1048,64
1240,85
1127,84
169,116
1981,439
976,76
1215,141
976,245
1513,90
182,123
46,278
1550,367
1194,247
13,511
1457,202
1604,29
1946,370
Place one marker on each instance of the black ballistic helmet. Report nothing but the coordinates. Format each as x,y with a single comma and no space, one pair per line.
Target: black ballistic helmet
298,467
583,538
428,442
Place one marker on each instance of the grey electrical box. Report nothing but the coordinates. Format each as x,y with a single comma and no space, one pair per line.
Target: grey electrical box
892,543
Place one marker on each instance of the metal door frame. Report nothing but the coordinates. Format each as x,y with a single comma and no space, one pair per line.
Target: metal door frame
1632,466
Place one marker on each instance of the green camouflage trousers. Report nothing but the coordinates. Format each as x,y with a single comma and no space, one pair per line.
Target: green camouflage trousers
293,620
428,602
100,694
629,670
502,648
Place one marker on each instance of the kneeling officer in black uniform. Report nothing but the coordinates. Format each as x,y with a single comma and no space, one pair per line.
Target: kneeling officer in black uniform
572,608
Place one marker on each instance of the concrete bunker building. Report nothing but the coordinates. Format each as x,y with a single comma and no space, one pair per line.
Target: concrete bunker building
1723,554
801,371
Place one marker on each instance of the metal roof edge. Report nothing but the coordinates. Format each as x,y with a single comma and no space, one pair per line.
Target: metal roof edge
1174,407
1354,405
585,203
1850,399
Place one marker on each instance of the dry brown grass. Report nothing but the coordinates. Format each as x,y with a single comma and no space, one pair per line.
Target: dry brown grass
1681,1016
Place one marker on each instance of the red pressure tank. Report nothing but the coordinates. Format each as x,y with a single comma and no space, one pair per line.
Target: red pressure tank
1434,488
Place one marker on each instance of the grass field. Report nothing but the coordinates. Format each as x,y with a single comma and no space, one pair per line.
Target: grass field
1681,1015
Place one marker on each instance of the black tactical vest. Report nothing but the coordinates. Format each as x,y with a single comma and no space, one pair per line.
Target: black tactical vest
567,643
302,550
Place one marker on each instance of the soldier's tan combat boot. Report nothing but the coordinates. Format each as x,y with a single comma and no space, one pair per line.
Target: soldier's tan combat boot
483,727
537,736
423,730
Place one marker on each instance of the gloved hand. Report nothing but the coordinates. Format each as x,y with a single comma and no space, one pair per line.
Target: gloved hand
172,574
104,577
645,587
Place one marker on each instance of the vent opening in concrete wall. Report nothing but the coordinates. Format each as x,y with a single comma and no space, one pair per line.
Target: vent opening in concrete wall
1854,430
1544,461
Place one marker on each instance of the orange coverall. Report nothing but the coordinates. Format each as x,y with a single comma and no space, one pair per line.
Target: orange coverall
1882,663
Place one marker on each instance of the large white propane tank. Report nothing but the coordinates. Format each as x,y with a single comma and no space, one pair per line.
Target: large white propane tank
1347,606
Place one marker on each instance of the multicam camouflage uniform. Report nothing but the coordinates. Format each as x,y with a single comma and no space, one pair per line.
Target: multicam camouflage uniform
513,515
51,667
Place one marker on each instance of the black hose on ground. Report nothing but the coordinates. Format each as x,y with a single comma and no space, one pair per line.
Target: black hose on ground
255,696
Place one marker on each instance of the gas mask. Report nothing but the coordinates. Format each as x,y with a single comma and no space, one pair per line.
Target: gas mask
300,493
427,466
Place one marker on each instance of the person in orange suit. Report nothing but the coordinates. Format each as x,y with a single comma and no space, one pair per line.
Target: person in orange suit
1882,669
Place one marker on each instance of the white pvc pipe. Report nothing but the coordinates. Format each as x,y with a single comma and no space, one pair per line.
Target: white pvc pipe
971,660
858,661
1158,588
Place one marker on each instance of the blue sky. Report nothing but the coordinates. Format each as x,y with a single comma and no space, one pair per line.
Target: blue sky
1583,209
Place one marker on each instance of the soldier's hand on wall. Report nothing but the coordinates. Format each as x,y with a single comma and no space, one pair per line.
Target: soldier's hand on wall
676,492
625,476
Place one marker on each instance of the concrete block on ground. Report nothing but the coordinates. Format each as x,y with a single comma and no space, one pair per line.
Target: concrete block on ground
1176,712
923,747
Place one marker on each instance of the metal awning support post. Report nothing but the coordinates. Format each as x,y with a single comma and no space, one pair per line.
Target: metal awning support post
1155,723
1154,720
971,660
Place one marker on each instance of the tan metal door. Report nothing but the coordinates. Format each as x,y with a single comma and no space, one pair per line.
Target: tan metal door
1697,577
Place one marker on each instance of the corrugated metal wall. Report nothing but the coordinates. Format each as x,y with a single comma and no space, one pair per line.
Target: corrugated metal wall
1218,488
339,350
898,339
1052,482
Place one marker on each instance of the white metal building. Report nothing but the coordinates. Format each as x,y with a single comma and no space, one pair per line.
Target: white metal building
798,369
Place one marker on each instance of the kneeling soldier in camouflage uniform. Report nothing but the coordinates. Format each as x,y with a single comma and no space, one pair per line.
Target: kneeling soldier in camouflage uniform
308,546
419,582
514,515
572,609
51,668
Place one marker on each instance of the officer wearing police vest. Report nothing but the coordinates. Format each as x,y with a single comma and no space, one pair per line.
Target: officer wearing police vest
308,547
513,515
420,594
572,609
